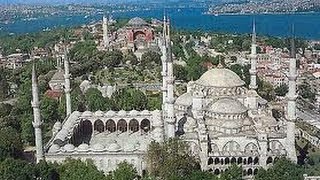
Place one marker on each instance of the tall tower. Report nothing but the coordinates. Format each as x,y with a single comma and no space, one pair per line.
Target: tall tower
105,32
67,82
36,116
170,119
164,67
292,96
253,70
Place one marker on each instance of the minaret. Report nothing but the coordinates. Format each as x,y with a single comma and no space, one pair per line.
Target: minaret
164,66
292,96
170,119
253,70
105,32
67,83
36,116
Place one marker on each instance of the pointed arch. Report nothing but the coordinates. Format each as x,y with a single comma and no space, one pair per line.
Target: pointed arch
145,125
133,125
111,126
122,125
99,126
231,146
251,149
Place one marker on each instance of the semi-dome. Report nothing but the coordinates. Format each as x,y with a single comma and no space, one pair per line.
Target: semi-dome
137,22
223,78
133,113
122,113
87,114
227,106
184,100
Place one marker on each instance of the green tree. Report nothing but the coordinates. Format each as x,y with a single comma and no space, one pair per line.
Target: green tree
265,90
203,175
46,171
129,99
49,110
125,171
96,101
171,160
77,169
130,57
283,169
234,172
150,57
16,169
306,92
10,143
5,109
180,72
281,90
112,58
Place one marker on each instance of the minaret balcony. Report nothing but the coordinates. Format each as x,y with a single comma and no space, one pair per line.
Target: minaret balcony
35,104
292,77
252,71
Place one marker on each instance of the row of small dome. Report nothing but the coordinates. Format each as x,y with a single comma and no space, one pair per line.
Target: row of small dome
120,113
113,147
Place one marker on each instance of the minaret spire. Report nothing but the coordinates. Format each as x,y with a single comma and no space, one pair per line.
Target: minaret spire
67,82
170,120
105,32
252,100
292,96
36,116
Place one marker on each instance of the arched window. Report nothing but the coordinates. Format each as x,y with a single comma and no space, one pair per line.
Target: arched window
249,172
145,125
233,160
86,131
217,172
133,125
210,161
239,160
255,172
269,160
244,161
99,126
256,161
111,126
221,162
216,161
227,161
122,125
244,172
250,160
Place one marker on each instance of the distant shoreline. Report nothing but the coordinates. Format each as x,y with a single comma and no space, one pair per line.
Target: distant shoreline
265,13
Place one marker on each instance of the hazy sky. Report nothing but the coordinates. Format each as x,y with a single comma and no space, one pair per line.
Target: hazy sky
60,1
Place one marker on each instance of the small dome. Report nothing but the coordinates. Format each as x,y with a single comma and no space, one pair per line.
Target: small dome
87,114
83,147
137,22
223,78
58,76
114,147
110,114
145,112
133,113
69,147
54,148
122,113
99,113
227,106
98,147
184,100
156,113
57,125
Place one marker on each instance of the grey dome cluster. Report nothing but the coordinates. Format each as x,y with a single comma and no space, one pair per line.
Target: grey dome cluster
137,22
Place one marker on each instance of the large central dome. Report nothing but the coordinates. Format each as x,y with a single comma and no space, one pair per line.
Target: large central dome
220,78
